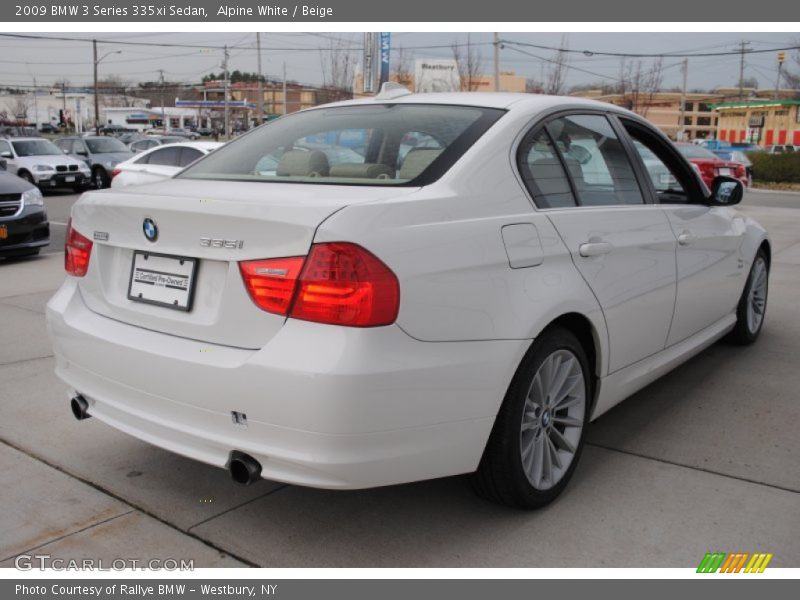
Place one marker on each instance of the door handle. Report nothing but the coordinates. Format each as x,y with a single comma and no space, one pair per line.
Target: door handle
594,248
686,238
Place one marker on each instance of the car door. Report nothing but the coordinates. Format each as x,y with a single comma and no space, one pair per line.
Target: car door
710,264
579,172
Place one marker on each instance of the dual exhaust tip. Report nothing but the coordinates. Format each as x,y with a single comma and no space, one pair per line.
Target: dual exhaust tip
244,469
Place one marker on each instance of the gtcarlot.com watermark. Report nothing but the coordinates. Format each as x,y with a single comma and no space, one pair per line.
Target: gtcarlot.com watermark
30,562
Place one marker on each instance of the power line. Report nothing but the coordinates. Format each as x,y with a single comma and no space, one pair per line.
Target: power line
647,55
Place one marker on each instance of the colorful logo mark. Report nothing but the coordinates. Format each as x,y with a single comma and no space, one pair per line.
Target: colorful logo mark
719,562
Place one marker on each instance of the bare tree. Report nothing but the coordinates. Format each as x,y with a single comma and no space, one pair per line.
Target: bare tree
556,77
533,86
468,62
18,107
113,91
791,78
639,83
338,68
402,67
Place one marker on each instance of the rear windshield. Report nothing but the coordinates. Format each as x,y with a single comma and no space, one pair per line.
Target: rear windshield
375,144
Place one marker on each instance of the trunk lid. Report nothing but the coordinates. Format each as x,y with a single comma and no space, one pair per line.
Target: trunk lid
253,221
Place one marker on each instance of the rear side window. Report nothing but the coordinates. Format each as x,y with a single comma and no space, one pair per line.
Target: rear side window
601,172
166,156
188,156
362,144
543,173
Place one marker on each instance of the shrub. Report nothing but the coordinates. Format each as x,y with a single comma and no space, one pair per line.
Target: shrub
781,168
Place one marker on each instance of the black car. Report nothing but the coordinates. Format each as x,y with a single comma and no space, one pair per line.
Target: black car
47,128
24,228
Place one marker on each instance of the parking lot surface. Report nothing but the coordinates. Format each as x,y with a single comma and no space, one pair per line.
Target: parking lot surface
705,459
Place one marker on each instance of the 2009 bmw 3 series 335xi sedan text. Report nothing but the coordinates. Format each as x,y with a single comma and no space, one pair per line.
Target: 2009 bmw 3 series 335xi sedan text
402,288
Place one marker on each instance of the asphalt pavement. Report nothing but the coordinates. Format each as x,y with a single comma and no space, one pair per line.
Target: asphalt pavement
705,459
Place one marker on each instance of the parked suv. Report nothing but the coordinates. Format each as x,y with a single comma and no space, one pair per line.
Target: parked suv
100,153
42,163
24,228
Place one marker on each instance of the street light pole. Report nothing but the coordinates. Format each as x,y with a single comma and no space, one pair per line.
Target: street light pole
97,61
225,89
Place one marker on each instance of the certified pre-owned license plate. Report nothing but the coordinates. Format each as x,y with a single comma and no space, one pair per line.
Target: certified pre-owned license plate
162,280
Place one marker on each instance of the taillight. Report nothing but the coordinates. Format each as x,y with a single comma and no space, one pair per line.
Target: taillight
339,284
271,283
740,171
77,251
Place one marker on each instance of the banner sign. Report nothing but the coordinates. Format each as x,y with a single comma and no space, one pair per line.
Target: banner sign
368,62
437,75
386,46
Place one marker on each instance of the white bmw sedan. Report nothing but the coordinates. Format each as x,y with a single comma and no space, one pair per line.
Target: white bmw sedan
159,162
402,288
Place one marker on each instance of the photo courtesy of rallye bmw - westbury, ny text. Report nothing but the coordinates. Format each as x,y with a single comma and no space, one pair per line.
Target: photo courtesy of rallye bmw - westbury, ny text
398,299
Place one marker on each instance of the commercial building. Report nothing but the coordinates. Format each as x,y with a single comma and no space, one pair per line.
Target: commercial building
762,122
695,119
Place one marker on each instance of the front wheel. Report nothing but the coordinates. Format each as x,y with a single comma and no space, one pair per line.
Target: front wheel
753,304
100,178
539,432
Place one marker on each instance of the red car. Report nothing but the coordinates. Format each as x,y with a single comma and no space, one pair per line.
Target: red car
709,165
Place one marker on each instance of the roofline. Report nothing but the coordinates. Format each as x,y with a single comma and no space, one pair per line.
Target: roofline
756,103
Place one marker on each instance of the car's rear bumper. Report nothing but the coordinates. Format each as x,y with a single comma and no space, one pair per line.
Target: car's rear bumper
326,406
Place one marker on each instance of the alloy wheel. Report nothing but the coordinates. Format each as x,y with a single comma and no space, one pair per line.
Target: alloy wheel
552,419
757,300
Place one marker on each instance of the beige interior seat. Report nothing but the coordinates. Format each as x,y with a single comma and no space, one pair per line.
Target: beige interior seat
416,161
362,171
303,163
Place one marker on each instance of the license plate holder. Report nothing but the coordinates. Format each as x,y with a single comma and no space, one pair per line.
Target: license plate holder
163,280
726,171
69,178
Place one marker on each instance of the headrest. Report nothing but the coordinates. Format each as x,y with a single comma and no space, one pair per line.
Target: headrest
303,163
416,161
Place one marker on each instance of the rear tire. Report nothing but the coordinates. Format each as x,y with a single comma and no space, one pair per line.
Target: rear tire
752,306
539,432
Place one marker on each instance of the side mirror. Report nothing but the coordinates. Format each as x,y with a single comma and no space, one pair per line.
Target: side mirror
726,191
65,151
6,154
82,153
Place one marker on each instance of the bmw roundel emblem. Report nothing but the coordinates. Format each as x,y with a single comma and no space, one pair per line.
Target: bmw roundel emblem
150,229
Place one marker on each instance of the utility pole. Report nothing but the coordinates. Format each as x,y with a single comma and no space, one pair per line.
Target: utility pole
96,98
496,62
743,48
163,109
225,84
260,102
64,96
682,124
285,110
781,58
36,106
